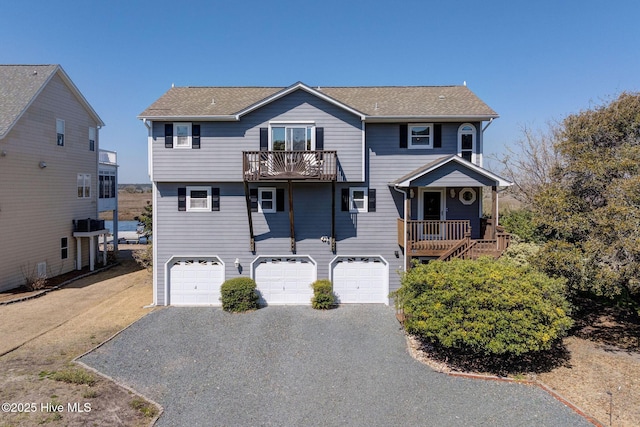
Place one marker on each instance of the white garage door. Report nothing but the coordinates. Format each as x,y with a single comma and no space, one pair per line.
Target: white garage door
360,279
195,281
285,280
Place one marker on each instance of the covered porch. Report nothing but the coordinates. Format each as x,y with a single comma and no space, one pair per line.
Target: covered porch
442,212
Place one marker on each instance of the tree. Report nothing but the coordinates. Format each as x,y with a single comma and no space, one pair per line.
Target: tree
146,219
592,201
529,164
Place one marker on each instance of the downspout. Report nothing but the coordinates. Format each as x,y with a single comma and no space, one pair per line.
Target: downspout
149,125
404,204
482,141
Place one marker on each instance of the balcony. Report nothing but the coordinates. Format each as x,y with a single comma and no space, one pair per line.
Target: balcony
289,165
448,239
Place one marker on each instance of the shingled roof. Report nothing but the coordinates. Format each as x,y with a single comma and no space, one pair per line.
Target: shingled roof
370,102
21,84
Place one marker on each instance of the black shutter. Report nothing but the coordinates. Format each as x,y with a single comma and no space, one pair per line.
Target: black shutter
319,138
437,136
253,198
168,135
280,199
182,199
345,200
372,200
195,136
215,198
403,136
264,139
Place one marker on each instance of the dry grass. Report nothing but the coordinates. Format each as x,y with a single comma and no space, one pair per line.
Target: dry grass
130,205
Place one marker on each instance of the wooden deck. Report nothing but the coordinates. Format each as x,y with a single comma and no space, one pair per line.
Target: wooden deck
447,240
318,165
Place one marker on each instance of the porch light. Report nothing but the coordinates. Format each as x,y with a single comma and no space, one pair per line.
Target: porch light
236,263
452,193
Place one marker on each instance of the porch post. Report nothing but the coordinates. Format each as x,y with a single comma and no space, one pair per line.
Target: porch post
292,231
494,210
104,249
407,217
252,241
333,216
78,253
92,253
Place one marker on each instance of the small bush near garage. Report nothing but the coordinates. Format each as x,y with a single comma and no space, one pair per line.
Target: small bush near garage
239,294
323,296
484,307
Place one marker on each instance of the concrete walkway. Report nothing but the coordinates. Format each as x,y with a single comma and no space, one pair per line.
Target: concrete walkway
295,366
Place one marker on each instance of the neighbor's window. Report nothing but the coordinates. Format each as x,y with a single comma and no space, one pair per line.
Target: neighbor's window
60,132
84,185
421,135
107,185
198,199
267,200
92,139
292,137
182,135
64,248
358,199
466,142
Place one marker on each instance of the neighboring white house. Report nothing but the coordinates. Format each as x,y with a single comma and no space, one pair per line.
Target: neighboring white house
49,145
108,188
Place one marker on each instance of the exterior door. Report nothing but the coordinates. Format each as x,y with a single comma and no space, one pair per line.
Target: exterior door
431,211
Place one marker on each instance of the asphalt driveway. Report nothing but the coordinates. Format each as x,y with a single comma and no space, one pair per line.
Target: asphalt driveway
295,366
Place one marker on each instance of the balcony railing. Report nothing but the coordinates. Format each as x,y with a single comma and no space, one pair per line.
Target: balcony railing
299,165
108,157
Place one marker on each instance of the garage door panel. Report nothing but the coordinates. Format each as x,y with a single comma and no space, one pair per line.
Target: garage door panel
195,281
360,280
284,280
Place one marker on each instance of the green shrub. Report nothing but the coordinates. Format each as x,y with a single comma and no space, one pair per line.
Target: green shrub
323,296
521,253
521,223
484,307
562,259
74,376
239,294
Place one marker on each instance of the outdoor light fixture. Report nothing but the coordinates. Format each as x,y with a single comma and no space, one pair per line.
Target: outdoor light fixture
452,192
42,165
237,263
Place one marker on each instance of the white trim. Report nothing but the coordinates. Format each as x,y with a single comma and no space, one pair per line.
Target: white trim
259,257
474,141
273,200
500,182
443,201
289,125
167,268
154,246
189,126
380,257
473,196
364,150
410,144
291,89
206,208
365,200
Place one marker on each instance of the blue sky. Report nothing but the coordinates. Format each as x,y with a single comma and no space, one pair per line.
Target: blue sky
530,61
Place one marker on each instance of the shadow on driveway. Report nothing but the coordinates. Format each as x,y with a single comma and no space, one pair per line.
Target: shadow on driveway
295,366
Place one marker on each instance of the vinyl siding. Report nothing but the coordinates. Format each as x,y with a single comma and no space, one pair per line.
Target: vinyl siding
220,156
37,205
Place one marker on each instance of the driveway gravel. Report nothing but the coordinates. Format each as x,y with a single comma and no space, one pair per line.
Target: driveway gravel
295,366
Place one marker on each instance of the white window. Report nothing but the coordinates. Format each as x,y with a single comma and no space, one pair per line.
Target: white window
182,135
106,184
266,200
358,199
198,199
420,135
64,248
92,139
84,185
60,132
292,137
467,142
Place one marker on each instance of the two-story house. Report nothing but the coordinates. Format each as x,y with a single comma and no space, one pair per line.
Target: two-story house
289,185
48,175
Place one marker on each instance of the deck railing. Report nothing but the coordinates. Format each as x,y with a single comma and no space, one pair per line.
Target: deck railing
318,165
